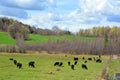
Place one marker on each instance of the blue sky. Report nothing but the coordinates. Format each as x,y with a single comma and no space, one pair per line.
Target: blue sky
66,14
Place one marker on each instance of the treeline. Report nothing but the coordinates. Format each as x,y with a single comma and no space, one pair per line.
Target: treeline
99,46
16,28
101,31
66,46
12,49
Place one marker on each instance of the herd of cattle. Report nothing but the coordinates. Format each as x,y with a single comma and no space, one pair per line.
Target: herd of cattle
84,66
19,65
60,64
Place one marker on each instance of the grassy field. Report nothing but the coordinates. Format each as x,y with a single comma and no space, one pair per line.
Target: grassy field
40,38
45,70
5,38
114,66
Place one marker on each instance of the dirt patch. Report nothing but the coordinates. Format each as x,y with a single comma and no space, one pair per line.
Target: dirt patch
114,56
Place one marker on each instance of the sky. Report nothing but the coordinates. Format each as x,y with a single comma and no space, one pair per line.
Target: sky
71,15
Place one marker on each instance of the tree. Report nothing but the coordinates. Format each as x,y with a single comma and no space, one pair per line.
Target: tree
17,29
55,28
106,41
81,32
20,44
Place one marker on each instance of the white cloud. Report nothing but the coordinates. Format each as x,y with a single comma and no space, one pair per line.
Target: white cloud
51,1
28,4
22,2
89,13
95,11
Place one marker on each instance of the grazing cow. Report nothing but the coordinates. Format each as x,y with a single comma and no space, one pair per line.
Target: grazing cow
85,61
15,62
90,59
99,56
84,66
76,58
19,65
61,63
68,63
31,64
75,63
56,63
83,58
98,61
11,59
72,67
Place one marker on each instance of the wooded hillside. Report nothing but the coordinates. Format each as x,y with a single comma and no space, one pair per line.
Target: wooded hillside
14,26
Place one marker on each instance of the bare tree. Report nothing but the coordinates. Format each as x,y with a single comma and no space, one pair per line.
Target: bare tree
20,43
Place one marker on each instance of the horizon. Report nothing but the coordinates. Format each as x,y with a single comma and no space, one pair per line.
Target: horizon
71,15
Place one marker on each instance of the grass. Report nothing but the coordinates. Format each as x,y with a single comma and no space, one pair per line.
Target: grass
5,38
45,70
114,67
41,38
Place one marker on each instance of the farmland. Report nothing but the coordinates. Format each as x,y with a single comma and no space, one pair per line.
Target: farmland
44,62
45,70
5,38
42,38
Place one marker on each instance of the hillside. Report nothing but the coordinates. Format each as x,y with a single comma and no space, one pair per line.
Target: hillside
6,23
5,38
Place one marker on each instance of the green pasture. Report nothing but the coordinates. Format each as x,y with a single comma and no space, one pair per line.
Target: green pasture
45,70
114,67
42,38
5,38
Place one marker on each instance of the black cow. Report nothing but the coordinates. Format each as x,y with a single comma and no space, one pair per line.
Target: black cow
85,61
75,63
19,65
31,64
11,59
15,62
99,56
84,66
56,63
72,67
90,59
68,63
98,61
83,58
76,58
60,63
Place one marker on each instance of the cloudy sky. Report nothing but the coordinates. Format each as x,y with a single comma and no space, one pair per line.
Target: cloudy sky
67,14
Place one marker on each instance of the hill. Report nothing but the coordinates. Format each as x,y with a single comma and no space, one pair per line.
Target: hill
5,38
6,23
42,38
